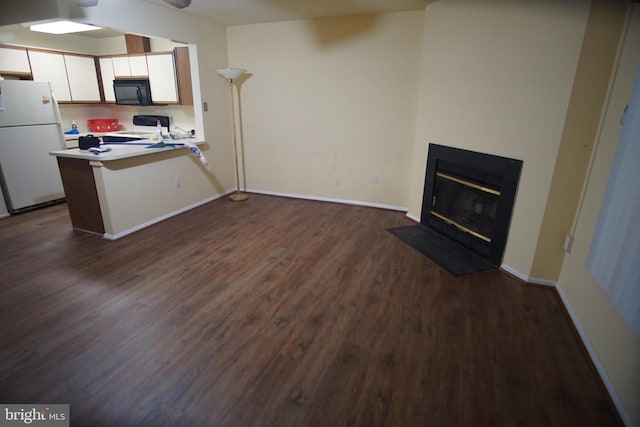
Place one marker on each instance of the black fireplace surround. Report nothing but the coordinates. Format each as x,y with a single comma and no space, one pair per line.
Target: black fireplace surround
469,196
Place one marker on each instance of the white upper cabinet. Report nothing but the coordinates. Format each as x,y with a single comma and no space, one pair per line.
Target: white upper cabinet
130,66
14,61
73,78
83,78
106,70
160,68
138,65
121,66
162,78
50,67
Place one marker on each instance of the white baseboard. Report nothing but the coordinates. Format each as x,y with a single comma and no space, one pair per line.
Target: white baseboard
626,419
413,217
543,282
161,218
5,215
116,236
514,272
330,199
583,337
528,279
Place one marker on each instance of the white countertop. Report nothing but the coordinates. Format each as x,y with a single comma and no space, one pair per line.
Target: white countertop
72,136
124,150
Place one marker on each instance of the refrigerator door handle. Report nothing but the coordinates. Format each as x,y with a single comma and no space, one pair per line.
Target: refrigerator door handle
56,110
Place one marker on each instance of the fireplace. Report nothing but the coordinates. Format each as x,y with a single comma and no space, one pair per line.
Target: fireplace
469,196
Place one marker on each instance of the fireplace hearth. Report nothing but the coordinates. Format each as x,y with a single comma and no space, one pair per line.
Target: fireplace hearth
469,196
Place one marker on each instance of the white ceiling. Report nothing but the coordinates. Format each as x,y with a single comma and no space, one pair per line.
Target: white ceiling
238,12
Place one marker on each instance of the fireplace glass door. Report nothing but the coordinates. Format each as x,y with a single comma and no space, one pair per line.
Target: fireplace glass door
469,206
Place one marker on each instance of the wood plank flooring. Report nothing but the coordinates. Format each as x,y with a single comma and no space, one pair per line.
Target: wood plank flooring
278,312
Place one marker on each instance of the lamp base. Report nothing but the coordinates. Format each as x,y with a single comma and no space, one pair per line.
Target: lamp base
238,197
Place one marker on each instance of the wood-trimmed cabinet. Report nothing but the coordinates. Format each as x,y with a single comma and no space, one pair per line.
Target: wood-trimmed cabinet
169,74
183,75
107,75
130,66
73,77
83,78
78,78
162,78
118,67
14,61
49,67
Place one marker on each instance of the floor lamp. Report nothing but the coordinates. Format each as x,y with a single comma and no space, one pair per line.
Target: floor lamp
230,74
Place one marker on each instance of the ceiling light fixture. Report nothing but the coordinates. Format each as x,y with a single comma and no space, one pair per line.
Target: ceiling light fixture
180,4
86,3
63,27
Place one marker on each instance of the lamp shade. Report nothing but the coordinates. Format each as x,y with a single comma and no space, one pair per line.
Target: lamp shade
231,73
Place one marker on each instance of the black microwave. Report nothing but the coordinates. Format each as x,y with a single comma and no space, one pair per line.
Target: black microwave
132,92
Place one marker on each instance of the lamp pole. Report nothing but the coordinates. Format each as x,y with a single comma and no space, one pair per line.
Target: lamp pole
230,74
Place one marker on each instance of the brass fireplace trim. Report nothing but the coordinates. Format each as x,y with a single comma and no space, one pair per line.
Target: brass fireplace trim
468,184
461,227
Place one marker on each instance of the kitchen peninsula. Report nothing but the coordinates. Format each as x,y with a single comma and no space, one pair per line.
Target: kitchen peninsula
132,186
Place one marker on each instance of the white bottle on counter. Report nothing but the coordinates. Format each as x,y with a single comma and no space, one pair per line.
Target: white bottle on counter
158,136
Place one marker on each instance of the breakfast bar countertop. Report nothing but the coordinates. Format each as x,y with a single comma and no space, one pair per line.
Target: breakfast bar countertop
131,187
125,150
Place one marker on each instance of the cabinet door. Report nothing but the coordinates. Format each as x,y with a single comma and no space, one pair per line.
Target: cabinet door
121,66
162,78
183,75
83,78
14,61
106,70
49,67
138,65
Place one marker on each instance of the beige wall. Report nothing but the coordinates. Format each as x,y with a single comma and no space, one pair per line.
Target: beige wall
594,73
332,101
179,115
496,77
211,53
138,190
329,103
208,49
4,211
615,344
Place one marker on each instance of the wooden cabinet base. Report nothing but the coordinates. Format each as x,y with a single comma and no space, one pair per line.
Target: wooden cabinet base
82,197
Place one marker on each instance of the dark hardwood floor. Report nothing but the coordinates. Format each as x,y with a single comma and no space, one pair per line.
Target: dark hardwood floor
278,312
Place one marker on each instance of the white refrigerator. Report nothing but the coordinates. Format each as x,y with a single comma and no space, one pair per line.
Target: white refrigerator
30,128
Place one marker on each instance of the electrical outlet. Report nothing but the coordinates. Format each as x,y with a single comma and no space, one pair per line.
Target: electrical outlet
205,106
178,183
374,178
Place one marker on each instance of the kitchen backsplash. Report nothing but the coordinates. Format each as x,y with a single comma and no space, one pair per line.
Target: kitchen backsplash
181,116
